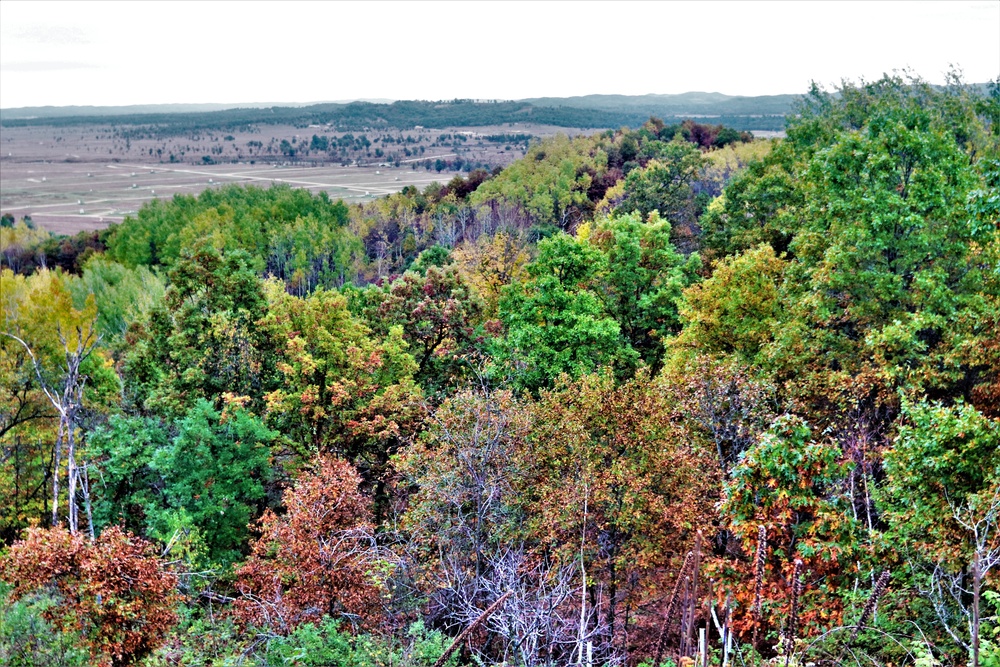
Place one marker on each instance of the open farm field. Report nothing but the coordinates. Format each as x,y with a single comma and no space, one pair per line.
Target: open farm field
74,179
66,198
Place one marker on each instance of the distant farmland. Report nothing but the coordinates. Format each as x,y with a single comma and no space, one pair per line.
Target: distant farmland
74,169
70,179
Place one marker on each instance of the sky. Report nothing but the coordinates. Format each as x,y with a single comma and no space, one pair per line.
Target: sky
108,54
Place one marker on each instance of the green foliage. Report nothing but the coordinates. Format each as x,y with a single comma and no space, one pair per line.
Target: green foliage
43,335
786,481
664,184
330,369
203,485
127,488
607,297
554,324
15,238
206,341
989,649
880,208
310,252
945,460
27,639
437,256
789,483
203,637
299,237
122,295
758,206
642,281
737,309
215,470
324,644
551,182
910,120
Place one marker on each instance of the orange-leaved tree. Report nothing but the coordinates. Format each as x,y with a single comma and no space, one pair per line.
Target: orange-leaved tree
614,482
791,484
115,590
318,559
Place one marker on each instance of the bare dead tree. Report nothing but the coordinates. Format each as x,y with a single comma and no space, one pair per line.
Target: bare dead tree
863,430
733,409
538,623
66,396
723,626
955,592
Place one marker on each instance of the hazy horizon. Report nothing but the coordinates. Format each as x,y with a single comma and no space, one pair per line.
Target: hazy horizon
296,103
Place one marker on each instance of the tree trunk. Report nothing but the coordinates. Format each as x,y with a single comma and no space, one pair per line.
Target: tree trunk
85,486
71,473
976,585
55,474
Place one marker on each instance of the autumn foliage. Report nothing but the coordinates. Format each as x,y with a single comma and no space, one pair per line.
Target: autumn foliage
319,558
627,389
115,591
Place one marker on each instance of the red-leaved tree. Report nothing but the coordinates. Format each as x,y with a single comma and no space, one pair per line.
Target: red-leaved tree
315,560
115,591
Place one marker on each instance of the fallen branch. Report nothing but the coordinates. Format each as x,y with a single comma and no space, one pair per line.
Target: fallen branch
475,624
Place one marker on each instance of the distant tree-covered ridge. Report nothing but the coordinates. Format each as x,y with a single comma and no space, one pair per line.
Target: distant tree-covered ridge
357,116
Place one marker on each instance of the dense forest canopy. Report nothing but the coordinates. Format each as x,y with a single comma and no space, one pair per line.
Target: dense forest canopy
634,387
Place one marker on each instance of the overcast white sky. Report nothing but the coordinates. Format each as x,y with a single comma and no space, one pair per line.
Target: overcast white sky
94,53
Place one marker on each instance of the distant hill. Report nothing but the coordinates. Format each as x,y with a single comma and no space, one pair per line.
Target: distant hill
355,116
34,113
696,103
684,104
589,111
760,112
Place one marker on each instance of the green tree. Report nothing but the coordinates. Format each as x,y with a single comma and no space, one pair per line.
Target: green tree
664,184
551,182
642,280
885,258
945,458
941,501
291,233
209,478
737,309
554,323
122,295
207,340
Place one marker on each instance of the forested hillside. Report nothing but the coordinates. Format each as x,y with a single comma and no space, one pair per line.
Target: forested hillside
353,116
636,396
744,113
